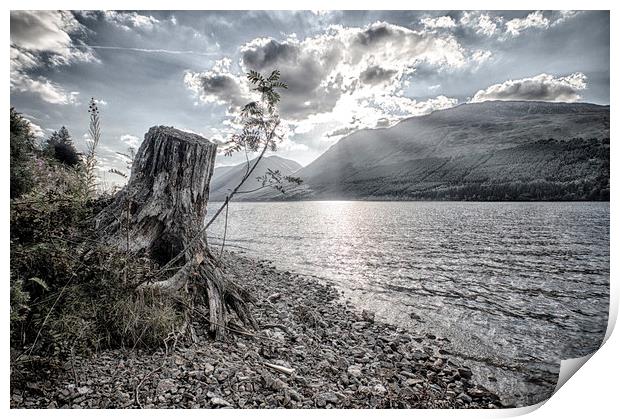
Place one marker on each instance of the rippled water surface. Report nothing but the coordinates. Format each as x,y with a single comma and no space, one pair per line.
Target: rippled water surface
515,286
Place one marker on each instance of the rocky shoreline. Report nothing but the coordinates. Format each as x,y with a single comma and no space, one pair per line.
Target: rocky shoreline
313,350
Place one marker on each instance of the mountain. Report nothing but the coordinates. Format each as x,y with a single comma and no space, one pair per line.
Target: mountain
481,151
225,178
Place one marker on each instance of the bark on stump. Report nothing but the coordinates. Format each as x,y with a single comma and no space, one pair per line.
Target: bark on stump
160,213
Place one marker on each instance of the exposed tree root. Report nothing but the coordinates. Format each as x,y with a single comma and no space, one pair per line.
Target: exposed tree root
160,214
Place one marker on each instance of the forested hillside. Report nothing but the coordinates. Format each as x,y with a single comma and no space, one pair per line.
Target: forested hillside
486,151
225,178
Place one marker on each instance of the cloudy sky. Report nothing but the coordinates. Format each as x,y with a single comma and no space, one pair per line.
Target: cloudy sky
345,70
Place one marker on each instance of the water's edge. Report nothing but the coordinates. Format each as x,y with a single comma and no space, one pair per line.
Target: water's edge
515,287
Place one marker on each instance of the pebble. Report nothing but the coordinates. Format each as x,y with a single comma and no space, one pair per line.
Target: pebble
464,372
219,402
166,385
208,369
413,381
379,389
341,357
464,397
355,371
327,397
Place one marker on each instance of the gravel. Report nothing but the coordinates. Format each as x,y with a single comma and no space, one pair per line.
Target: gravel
341,357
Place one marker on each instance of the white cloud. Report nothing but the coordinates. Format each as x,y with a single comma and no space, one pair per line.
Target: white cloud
543,87
35,129
438,22
343,79
481,56
321,12
354,113
486,25
22,60
49,31
534,20
562,16
131,141
218,85
288,145
44,37
373,60
131,20
47,90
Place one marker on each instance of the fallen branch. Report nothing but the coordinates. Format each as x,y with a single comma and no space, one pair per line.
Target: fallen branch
279,368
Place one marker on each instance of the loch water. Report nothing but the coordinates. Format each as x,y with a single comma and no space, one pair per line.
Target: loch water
515,287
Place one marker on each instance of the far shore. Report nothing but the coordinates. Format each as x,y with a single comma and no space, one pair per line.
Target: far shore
402,200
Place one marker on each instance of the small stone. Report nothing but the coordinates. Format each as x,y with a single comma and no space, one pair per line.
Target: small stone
165,386
477,392
278,384
209,369
219,402
359,325
355,371
465,372
199,375
295,395
413,381
368,316
327,397
464,397
379,390
222,375
83,390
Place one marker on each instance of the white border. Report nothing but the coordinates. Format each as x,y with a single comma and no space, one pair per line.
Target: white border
593,390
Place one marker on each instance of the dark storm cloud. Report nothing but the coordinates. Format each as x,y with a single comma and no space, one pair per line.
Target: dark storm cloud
373,34
218,85
320,69
269,55
304,68
376,75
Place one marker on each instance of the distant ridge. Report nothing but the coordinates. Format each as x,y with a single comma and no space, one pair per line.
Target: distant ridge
225,178
496,150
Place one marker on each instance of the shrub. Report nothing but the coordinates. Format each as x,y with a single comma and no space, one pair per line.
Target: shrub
22,148
60,147
68,292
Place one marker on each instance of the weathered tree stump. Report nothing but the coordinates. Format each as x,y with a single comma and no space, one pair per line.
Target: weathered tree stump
160,213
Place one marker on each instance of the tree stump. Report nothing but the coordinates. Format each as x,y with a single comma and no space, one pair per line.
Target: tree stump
161,212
